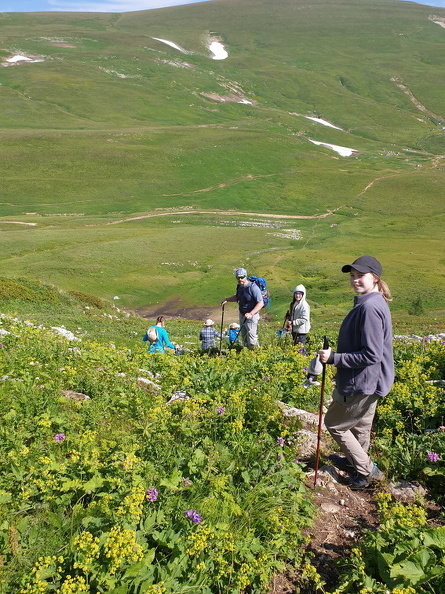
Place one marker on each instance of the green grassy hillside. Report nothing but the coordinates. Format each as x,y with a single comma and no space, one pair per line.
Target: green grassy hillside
127,164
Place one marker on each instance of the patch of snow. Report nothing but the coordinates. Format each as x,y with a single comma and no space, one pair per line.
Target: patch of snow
171,44
218,51
245,102
18,58
323,122
341,150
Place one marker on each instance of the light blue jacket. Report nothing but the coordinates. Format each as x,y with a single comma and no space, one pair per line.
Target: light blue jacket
162,342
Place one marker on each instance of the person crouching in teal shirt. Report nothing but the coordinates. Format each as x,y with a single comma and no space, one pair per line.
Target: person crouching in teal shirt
163,341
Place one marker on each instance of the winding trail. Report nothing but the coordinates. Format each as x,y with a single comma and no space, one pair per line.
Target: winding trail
374,181
233,182
399,83
222,212
434,164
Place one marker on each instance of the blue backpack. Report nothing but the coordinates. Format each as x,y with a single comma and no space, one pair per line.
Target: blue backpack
262,284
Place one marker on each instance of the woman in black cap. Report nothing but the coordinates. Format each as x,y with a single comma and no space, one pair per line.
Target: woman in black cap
365,370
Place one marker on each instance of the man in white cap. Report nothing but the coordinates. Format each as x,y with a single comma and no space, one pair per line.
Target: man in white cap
250,301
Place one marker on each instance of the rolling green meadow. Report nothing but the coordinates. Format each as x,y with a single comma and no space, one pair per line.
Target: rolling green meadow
127,164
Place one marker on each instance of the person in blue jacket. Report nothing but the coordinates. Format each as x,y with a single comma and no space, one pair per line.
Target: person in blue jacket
162,341
234,331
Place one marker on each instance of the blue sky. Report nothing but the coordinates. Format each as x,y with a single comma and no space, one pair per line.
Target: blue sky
87,5
440,3
113,5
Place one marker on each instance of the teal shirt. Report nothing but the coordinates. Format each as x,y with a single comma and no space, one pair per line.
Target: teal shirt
162,342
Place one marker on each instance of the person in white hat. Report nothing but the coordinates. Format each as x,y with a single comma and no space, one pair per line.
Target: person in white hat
207,337
250,301
299,314
233,333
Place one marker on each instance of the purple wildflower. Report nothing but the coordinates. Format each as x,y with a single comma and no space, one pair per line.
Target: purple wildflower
186,482
291,486
221,410
433,457
442,427
280,441
59,437
193,515
152,495
126,464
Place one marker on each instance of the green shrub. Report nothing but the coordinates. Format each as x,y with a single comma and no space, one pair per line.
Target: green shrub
402,555
124,491
27,290
416,308
90,300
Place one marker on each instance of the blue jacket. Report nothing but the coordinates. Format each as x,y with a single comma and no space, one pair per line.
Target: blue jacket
364,357
233,335
163,341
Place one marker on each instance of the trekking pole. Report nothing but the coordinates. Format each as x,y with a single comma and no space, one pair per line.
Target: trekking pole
222,324
320,413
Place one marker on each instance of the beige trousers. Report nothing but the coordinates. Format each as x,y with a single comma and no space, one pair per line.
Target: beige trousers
249,330
350,424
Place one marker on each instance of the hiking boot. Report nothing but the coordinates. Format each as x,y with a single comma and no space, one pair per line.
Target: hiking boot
341,463
360,481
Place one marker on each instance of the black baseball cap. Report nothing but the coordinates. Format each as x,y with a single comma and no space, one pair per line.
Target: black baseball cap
364,264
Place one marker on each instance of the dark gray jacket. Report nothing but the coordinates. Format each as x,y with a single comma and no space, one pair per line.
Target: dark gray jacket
248,296
364,357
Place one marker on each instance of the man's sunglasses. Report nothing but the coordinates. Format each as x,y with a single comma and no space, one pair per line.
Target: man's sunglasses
238,277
